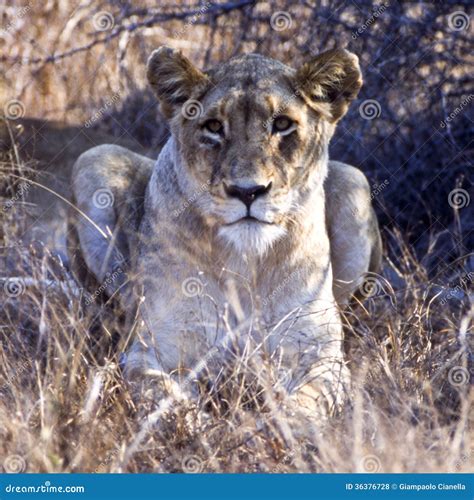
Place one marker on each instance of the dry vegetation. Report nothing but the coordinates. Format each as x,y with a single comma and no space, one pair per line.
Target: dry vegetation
64,405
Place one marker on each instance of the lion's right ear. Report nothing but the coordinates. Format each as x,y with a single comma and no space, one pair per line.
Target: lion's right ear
173,78
330,81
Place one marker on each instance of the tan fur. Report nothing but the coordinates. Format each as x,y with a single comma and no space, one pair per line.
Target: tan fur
208,282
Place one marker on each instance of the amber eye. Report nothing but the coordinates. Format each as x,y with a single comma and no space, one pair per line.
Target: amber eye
214,126
282,124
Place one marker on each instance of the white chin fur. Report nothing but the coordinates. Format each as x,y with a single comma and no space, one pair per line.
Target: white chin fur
251,237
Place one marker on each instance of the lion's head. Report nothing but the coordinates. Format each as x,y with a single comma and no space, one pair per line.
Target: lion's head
256,132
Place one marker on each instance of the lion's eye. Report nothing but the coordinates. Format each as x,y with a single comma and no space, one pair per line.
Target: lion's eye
282,124
214,126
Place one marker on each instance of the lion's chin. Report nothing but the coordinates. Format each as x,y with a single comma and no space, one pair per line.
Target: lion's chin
251,237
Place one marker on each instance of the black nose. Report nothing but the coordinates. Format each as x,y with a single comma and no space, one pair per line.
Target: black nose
247,195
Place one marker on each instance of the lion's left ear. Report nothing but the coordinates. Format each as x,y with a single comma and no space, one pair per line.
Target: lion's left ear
173,78
330,81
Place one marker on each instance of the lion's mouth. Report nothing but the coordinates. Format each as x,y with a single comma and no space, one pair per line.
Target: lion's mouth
248,219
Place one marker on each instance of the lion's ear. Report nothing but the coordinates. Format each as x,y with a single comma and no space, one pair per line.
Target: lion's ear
330,81
173,78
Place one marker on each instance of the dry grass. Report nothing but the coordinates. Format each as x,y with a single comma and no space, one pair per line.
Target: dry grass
64,405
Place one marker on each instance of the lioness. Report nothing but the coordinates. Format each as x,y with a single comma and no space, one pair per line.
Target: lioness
248,236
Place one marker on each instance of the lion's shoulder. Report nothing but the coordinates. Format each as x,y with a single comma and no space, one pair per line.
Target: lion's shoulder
347,192
110,167
341,175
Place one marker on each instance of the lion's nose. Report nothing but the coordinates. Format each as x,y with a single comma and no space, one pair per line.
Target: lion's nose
247,195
